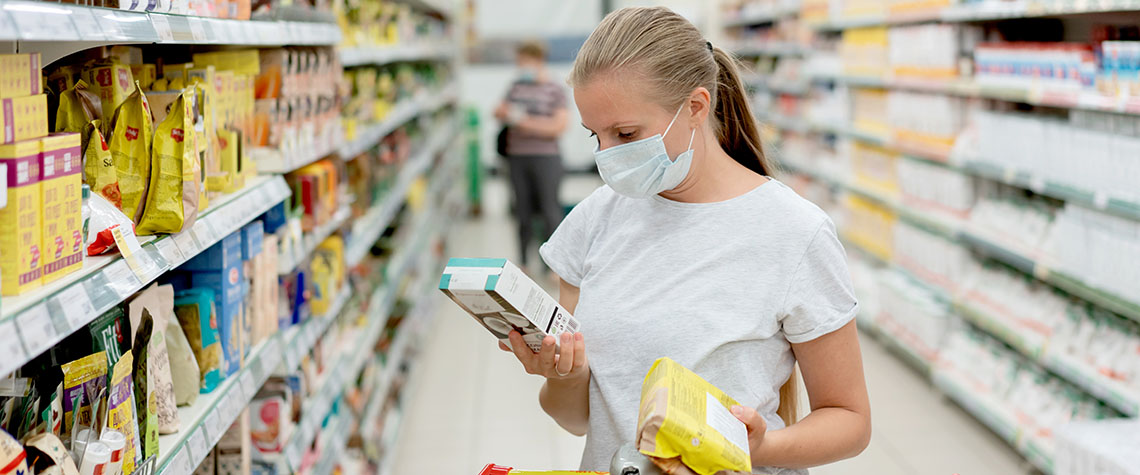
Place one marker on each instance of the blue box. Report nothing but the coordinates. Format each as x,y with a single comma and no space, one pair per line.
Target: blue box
229,298
223,254
275,218
251,237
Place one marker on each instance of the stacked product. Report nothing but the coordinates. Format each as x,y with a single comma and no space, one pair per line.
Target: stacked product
929,51
930,257
376,91
936,189
297,105
926,123
1097,248
864,51
232,9
373,23
869,225
875,167
913,314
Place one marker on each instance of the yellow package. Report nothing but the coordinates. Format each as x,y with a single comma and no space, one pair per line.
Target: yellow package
684,416
175,182
113,84
327,268
62,202
229,160
23,118
78,106
20,75
145,74
99,167
130,140
21,221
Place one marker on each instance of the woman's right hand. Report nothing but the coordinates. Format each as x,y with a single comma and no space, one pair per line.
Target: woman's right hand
564,363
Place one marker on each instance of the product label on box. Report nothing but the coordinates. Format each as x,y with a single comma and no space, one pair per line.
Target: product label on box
21,222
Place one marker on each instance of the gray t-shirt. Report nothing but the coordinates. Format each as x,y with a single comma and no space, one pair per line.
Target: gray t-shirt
722,288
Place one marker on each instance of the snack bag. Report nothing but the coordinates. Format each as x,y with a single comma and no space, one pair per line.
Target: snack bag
12,455
683,416
46,453
121,409
175,174
195,311
131,133
83,380
183,365
157,303
78,106
99,169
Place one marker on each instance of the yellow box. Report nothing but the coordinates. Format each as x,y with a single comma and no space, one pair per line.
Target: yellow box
223,83
145,74
61,183
245,61
230,160
23,118
113,82
21,75
21,222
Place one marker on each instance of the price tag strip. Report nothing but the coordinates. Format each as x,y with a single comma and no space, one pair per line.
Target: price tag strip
76,306
11,349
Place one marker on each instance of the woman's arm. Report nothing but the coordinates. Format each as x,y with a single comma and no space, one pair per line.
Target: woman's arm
566,394
839,425
551,126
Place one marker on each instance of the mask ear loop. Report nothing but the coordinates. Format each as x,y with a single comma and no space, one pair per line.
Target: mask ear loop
671,122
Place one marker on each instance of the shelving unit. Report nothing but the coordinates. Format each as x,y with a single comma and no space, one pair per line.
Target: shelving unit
788,100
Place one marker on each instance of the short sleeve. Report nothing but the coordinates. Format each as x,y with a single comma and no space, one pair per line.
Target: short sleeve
821,298
565,252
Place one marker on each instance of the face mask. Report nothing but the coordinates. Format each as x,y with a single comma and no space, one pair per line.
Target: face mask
527,75
642,169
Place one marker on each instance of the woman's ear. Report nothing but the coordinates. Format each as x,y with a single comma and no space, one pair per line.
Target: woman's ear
700,103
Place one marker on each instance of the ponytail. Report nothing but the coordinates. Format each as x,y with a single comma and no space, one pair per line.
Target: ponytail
789,408
737,131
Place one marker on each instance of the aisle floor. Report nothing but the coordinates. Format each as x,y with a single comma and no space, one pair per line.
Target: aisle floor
472,404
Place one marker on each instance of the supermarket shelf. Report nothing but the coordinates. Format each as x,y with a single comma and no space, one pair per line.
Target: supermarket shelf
33,322
302,150
886,19
310,241
338,430
770,49
760,16
403,112
897,345
380,55
979,11
367,230
982,406
205,421
1128,208
57,30
795,88
1028,93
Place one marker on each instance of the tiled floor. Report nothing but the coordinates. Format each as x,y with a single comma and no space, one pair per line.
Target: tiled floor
474,405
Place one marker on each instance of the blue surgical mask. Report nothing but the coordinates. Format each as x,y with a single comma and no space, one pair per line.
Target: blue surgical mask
528,75
643,168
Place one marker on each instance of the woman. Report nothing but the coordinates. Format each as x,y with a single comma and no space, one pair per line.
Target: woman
535,113
690,251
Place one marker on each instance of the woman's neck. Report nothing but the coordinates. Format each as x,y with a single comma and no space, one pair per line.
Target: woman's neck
715,176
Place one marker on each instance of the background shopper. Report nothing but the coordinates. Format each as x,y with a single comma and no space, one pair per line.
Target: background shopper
690,251
534,112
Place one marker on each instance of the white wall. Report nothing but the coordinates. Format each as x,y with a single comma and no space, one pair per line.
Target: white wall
529,18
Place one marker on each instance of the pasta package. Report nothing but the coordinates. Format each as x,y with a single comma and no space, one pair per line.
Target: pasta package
175,173
83,380
131,133
99,169
195,311
683,416
121,409
78,106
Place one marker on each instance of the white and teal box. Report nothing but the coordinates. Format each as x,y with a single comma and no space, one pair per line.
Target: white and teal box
502,298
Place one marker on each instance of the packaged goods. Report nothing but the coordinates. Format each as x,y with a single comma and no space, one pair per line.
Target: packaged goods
21,221
20,75
220,269
12,454
183,364
117,442
61,187
131,133
502,298
195,311
84,380
112,82
157,302
95,459
328,273
271,419
78,106
145,74
103,219
23,118
145,404
99,168
108,335
45,451
700,431
172,198
121,414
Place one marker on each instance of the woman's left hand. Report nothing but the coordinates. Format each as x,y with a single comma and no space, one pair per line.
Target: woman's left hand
756,425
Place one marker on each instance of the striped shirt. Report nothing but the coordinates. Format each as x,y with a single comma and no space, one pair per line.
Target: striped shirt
540,99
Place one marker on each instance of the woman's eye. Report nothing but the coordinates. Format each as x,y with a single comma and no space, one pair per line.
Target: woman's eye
626,136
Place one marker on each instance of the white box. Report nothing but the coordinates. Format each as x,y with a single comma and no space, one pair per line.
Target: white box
502,298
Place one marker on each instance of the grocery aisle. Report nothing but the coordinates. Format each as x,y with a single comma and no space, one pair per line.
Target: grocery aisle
474,404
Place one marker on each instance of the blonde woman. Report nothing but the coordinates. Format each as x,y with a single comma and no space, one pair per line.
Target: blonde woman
692,251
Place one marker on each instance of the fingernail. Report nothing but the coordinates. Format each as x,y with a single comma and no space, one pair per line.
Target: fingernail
737,410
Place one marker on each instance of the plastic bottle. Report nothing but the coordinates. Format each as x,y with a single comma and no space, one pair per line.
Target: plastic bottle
115,441
95,459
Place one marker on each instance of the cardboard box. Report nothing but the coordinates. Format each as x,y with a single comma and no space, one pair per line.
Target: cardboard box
252,236
145,74
502,298
21,75
21,222
220,269
113,82
61,184
23,118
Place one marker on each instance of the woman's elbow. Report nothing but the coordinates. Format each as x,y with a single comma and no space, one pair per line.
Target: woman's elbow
863,435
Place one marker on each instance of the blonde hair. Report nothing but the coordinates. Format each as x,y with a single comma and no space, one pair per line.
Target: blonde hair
532,48
671,58
669,55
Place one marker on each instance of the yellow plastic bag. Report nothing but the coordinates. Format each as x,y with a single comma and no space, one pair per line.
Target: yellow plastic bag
98,166
683,416
130,135
175,176
78,106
